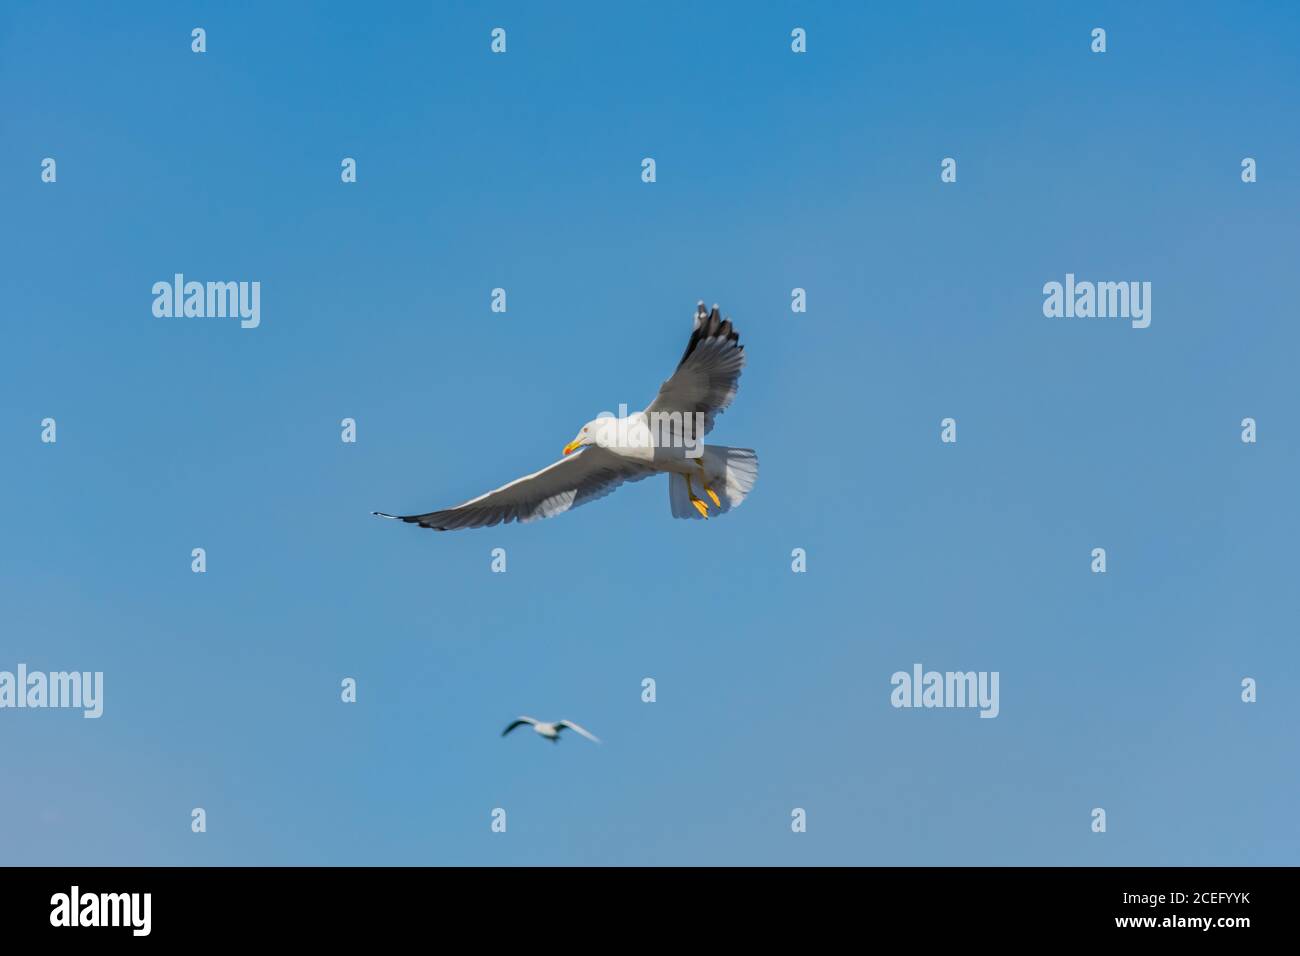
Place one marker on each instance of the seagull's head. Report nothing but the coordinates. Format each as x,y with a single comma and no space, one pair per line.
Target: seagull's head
592,433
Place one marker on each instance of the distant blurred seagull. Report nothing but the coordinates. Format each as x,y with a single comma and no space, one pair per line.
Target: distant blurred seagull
667,437
550,731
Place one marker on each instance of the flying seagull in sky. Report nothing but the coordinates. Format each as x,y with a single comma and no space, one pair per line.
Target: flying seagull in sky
550,731
667,437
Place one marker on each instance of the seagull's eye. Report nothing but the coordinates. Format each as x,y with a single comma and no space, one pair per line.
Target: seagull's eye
584,431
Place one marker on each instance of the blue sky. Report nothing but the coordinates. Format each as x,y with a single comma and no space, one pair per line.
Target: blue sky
775,171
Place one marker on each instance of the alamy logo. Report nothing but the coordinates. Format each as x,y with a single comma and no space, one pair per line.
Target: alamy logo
1098,300
102,909
209,300
651,430
947,689
84,690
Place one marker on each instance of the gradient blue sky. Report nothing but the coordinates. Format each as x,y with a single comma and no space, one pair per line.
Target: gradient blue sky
775,171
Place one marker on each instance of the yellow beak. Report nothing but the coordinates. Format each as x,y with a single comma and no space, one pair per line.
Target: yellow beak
573,446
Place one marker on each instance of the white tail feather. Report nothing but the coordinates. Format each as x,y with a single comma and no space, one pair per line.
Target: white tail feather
730,472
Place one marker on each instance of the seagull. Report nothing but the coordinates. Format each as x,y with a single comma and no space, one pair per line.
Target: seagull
665,438
550,731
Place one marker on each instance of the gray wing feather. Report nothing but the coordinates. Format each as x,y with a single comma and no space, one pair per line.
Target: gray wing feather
513,725
708,375
574,480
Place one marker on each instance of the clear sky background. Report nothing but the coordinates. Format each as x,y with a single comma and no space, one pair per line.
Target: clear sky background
775,170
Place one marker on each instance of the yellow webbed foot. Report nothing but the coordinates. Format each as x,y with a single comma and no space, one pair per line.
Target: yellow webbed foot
716,502
700,506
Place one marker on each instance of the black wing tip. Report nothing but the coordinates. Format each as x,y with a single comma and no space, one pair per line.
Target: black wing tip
409,519
709,324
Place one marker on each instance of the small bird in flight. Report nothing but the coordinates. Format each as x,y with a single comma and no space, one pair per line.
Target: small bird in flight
550,731
665,438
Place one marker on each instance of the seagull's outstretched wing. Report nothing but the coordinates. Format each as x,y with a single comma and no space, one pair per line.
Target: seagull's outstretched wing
518,721
573,480
709,373
572,726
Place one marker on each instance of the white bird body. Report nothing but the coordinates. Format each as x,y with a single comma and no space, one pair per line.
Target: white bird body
550,731
634,439
665,438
